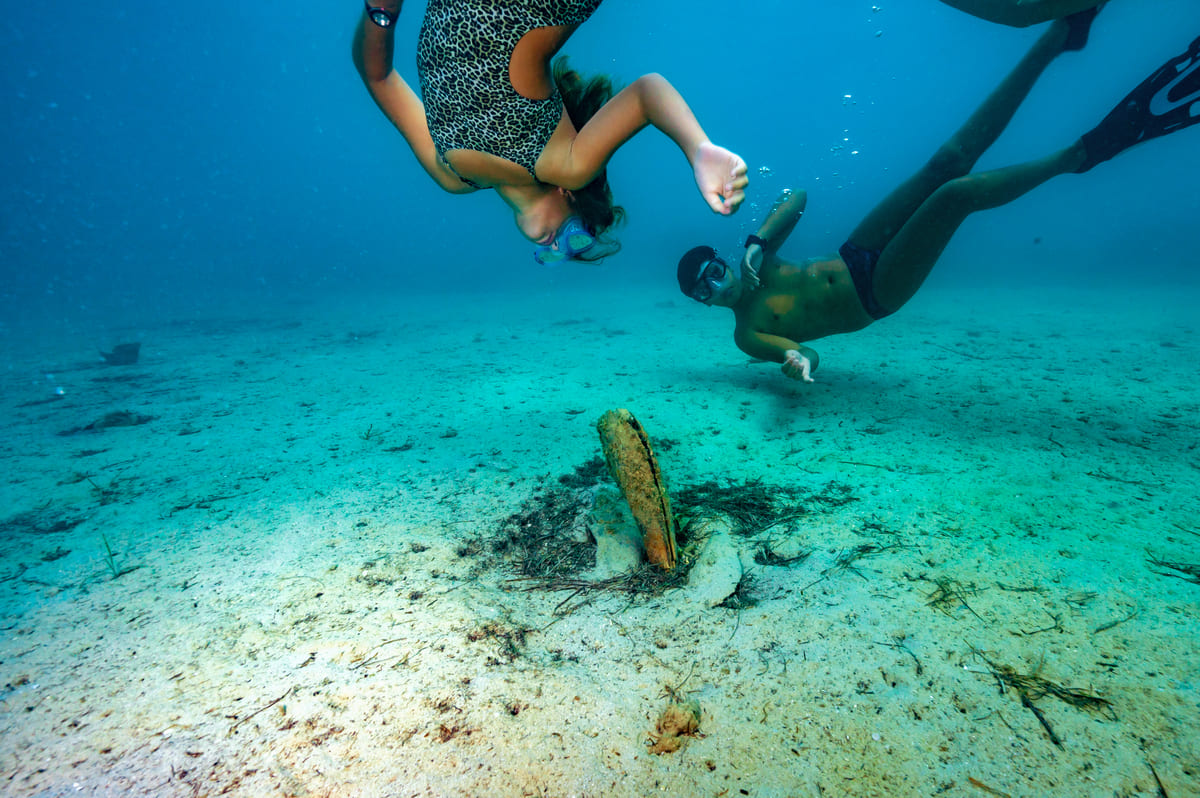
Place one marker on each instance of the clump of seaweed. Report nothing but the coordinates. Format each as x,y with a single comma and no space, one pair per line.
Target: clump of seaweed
508,639
586,475
766,555
847,559
1031,687
42,521
541,541
950,594
647,580
106,494
547,545
750,507
744,596
1188,572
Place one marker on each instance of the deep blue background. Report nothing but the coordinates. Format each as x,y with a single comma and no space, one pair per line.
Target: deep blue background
178,158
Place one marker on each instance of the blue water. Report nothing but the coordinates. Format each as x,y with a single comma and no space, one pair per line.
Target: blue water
182,157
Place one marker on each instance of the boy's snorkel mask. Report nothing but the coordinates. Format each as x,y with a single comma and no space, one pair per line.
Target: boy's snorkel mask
573,238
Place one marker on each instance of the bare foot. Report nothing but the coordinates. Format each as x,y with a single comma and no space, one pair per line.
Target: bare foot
721,177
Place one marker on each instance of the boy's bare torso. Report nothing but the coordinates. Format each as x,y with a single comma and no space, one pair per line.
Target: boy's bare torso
802,301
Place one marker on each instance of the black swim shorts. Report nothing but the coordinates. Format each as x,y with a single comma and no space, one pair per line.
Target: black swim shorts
861,263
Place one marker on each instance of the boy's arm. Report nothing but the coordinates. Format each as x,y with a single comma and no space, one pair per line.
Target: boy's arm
799,361
372,50
651,100
773,231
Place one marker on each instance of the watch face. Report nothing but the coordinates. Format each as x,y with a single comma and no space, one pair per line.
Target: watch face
381,17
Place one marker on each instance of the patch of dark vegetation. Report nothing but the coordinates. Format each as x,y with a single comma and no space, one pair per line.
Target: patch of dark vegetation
471,548
1030,687
766,555
754,507
43,521
118,418
1187,571
123,354
548,546
57,554
847,560
950,594
120,378
743,597
508,639
542,540
587,475
108,494
88,453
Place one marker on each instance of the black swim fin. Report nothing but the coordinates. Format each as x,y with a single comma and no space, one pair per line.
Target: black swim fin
1167,101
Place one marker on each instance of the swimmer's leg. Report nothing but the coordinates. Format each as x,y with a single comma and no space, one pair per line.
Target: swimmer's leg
911,254
959,153
1021,13
1167,101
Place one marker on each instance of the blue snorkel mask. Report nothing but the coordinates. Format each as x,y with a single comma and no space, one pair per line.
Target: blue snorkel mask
573,238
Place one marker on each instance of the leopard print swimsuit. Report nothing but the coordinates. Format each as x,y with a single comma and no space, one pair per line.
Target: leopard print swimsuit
463,54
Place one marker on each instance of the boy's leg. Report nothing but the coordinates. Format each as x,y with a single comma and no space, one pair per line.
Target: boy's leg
912,253
959,153
1167,101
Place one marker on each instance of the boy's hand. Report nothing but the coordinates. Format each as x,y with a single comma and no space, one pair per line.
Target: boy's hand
797,366
751,263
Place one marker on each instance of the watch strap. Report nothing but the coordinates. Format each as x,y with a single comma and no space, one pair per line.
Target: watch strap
755,239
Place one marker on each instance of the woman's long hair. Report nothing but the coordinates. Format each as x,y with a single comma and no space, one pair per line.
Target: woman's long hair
582,99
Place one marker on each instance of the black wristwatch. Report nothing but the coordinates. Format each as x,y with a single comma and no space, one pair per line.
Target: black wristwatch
381,16
754,239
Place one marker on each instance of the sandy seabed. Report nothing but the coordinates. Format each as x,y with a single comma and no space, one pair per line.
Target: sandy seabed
284,581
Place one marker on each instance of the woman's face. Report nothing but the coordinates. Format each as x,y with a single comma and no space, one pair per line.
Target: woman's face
540,220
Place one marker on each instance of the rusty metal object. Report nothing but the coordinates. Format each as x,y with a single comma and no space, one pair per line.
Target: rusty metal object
634,468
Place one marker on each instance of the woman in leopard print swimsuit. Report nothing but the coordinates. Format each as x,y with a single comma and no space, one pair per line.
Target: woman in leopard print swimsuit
493,114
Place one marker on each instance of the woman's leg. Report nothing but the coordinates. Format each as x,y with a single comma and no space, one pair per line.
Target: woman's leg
958,154
1021,13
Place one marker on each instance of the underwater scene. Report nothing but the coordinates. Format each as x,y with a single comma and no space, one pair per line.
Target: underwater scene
815,413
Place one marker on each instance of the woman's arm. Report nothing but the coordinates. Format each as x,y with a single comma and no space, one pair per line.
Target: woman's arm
650,100
372,49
